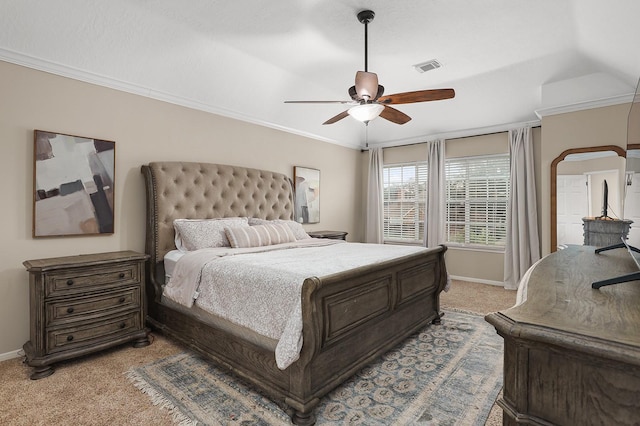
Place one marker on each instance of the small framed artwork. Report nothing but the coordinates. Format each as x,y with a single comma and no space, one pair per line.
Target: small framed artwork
307,192
73,185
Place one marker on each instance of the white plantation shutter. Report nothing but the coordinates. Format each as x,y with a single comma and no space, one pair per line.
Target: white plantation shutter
477,199
405,192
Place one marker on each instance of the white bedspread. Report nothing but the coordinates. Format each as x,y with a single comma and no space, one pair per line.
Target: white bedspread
261,288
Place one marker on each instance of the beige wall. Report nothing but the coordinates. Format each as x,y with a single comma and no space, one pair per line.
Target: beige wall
144,130
147,130
588,128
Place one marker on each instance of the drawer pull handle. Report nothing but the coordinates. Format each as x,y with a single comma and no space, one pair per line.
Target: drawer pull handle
122,325
69,282
69,310
69,338
121,275
121,300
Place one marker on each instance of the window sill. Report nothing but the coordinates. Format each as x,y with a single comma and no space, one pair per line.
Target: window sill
487,249
403,243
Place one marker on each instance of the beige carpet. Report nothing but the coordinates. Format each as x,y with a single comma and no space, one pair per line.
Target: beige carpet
478,298
94,390
481,299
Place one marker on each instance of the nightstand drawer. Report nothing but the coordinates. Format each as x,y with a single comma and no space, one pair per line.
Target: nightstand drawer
92,333
81,280
63,311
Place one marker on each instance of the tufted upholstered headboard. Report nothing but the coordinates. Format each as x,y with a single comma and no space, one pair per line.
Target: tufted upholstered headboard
188,190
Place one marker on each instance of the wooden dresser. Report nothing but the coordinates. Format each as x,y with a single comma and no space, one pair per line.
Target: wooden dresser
83,304
572,353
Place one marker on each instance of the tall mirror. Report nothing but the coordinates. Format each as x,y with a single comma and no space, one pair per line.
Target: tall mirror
632,187
578,190
632,199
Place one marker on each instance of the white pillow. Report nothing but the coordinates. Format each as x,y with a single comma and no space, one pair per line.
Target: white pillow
259,235
195,234
295,227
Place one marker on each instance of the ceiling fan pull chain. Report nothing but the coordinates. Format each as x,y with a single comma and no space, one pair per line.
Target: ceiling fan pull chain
366,134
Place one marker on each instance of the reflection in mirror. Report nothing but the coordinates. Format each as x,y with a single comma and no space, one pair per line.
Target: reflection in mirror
579,167
632,199
580,193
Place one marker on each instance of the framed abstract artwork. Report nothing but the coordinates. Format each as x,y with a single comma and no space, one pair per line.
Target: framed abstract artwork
307,194
73,185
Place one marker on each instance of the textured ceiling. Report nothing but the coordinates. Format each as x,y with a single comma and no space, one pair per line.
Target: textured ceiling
244,58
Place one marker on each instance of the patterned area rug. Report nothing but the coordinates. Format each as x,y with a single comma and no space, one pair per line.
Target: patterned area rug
443,375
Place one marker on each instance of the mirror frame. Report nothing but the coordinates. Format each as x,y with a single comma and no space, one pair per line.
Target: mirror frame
554,184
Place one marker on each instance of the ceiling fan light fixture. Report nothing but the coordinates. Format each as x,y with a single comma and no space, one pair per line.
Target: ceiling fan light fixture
365,112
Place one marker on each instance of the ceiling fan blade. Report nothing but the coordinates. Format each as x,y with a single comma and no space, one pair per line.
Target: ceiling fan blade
338,117
318,102
394,115
418,96
366,84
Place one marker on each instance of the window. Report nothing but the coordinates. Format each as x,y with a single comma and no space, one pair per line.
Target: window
404,198
477,199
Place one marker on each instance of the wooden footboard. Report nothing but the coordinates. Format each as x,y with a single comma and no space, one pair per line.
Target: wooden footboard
352,318
349,320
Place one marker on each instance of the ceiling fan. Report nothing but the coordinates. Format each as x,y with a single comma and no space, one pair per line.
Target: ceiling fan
367,98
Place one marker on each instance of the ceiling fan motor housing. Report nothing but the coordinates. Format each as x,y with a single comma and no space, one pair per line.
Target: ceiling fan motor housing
366,16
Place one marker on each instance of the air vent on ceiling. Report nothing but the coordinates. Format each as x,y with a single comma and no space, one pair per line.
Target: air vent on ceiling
427,66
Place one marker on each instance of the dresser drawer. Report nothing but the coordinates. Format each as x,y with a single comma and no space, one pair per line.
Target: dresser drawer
92,333
81,280
61,311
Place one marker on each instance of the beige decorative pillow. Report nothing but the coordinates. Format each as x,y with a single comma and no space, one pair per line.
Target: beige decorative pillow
195,234
259,235
296,228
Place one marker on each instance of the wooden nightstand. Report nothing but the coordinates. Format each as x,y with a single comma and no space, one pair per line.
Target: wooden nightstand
84,304
334,235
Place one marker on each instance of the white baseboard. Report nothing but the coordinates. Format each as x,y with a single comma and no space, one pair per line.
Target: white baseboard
10,355
477,280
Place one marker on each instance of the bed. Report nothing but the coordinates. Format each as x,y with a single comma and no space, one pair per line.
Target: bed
348,318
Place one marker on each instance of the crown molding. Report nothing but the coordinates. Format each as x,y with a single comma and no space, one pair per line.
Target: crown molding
580,106
147,92
457,134
56,68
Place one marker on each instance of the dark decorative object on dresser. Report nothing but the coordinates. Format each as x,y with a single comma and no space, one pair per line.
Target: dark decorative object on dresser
83,304
333,235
